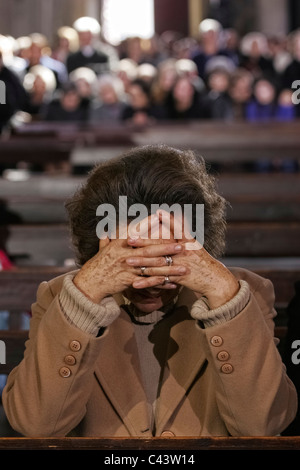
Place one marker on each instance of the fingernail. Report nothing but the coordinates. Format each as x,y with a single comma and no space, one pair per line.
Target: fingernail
138,283
130,261
133,239
182,270
178,248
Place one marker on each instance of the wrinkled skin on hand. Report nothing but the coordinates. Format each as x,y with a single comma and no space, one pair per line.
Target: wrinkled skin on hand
116,268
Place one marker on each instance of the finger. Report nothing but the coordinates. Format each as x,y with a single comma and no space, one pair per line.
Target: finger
180,230
177,225
163,271
153,281
140,242
161,249
103,242
145,228
168,223
193,245
143,261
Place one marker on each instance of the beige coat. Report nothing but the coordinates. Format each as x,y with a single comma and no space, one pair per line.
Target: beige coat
224,380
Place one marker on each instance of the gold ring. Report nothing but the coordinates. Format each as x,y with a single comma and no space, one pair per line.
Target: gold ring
169,260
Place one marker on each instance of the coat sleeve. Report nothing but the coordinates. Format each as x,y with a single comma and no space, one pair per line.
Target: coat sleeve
254,394
46,394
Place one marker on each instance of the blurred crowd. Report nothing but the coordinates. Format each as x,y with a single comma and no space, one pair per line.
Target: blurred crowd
219,75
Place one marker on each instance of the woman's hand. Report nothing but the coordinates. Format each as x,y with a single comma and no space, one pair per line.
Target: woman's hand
107,273
205,275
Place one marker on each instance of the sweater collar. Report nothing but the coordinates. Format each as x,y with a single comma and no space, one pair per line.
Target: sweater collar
151,318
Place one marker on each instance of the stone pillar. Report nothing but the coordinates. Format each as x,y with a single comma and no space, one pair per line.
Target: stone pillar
197,12
92,9
272,16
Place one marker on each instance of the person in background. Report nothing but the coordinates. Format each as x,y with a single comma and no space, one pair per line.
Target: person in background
131,48
217,101
16,98
231,41
40,84
279,54
286,112
285,109
13,62
147,73
110,105
266,106
184,48
292,71
139,109
210,44
85,81
184,101
22,48
92,53
127,72
66,43
68,107
188,68
164,81
40,54
169,40
240,92
262,106
153,51
255,55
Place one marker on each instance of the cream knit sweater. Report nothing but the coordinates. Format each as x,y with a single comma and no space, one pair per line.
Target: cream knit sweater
91,317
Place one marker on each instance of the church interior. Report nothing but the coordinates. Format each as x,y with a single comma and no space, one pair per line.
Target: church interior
83,81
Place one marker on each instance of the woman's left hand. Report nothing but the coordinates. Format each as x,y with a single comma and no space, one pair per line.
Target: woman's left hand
204,275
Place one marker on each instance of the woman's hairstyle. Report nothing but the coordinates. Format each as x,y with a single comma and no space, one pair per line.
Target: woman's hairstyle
152,174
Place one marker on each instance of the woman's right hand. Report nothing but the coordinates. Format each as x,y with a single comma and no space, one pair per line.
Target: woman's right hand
108,273
105,274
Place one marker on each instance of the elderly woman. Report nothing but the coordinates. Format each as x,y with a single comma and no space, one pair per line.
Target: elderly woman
152,335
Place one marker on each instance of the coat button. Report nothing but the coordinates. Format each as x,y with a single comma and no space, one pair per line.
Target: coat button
75,345
216,340
167,434
64,372
227,368
223,356
70,360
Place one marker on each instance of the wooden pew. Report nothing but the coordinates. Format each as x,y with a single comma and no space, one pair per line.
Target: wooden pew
155,446
230,144
251,197
272,197
263,239
51,244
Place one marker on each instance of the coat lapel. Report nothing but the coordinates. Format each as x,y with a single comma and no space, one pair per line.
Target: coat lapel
185,357
178,347
118,371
